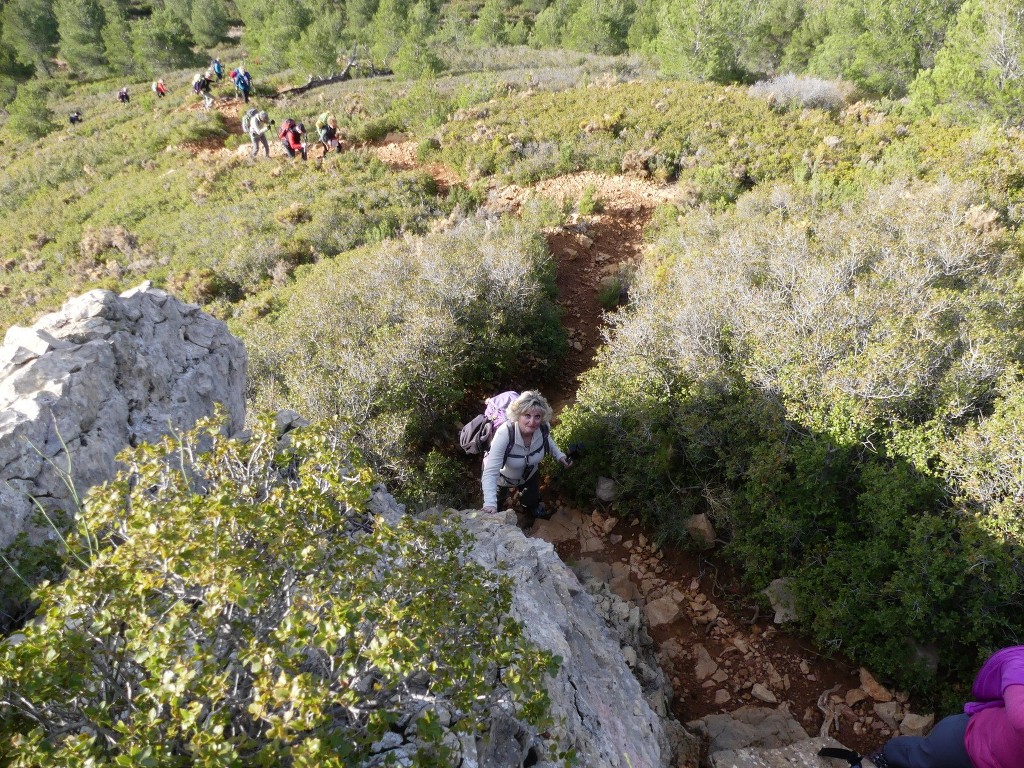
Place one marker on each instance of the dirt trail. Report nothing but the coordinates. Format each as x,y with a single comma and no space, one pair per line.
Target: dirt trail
746,654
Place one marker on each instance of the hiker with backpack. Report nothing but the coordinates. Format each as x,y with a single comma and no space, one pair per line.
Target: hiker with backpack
515,453
75,117
123,96
159,89
327,131
989,733
256,123
242,81
293,138
201,87
218,69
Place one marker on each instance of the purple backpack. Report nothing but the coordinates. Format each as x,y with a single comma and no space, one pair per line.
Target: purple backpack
475,437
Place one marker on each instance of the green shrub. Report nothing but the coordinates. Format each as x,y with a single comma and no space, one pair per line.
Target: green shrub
232,603
393,336
589,203
807,374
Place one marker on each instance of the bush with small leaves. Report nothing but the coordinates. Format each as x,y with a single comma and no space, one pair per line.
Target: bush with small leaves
835,385
231,602
802,92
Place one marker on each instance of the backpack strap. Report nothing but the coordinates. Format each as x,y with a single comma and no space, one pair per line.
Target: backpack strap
545,432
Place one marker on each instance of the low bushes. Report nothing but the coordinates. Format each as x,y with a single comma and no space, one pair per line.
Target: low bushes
393,336
834,388
232,603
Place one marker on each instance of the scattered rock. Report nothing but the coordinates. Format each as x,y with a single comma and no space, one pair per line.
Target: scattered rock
782,599
701,531
888,712
873,688
761,693
665,610
605,490
916,725
706,666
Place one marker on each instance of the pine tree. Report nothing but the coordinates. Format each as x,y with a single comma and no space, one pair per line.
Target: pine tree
549,24
700,39
387,30
80,24
598,26
282,30
29,115
416,57
11,71
209,22
30,30
162,41
323,43
489,28
117,40
977,72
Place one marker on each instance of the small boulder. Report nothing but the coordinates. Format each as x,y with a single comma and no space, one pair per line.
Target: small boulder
605,490
782,599
701,531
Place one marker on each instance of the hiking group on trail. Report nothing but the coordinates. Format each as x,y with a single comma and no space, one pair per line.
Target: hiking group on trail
293,138
327,131
202,83
292,135
201,87
242,81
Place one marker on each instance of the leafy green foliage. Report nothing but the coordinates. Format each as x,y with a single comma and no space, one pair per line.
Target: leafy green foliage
974,75
161,42
236,605
29,115
392,337
30,29
80,24
834,387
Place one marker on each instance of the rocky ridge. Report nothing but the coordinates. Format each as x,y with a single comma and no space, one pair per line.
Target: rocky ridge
102,373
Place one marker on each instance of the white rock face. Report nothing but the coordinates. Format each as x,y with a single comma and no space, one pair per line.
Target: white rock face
103,373
596,700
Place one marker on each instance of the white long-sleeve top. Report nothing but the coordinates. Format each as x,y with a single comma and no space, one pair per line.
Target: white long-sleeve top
257,127
521,464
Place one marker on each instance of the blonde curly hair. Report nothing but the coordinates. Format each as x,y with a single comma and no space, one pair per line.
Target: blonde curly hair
531,398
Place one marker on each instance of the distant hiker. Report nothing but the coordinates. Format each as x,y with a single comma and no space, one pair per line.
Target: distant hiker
201,87
242,81
293,138
258,124
515,454
75,117
159,89
218,69
123,96
988,734
327,131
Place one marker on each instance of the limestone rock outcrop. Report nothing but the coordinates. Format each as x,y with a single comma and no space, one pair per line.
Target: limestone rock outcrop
597,702
102,373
